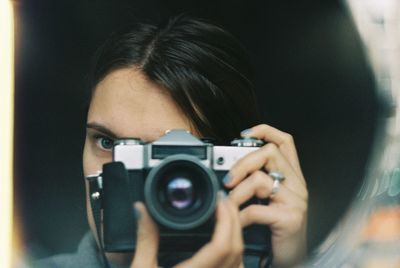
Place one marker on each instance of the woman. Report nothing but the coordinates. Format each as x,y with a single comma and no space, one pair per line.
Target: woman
189,74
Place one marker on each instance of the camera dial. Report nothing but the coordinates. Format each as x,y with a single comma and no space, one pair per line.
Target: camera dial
247,142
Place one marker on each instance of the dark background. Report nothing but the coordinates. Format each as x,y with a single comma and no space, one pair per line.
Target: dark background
311,78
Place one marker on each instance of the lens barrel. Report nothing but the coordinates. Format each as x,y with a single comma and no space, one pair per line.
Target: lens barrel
181,192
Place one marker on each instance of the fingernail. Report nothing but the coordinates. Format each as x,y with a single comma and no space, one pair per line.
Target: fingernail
227,178
245,132
136,212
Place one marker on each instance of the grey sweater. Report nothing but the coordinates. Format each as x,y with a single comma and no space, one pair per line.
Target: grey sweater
88,256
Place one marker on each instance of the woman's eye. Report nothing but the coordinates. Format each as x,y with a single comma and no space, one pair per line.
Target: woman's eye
104,143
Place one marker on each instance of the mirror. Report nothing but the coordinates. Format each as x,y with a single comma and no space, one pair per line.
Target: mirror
369,234
311,77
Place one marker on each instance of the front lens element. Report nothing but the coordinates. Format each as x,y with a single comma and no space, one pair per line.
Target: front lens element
180,193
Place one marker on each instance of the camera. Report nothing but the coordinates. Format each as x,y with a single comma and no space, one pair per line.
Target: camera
178,178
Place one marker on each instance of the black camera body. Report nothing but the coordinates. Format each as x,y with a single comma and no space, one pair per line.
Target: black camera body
178,177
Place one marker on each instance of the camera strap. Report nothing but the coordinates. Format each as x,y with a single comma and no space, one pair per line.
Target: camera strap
95,196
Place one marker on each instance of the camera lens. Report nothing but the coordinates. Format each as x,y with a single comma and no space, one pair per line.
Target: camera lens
180,193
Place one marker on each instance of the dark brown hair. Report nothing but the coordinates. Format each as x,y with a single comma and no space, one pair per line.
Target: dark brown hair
203,67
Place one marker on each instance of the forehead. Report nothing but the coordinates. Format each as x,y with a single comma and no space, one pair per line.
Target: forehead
129,105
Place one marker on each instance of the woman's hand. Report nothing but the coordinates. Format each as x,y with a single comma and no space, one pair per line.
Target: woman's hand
286,214
223,251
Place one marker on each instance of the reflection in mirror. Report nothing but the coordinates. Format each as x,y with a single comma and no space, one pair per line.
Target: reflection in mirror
311,81
369,234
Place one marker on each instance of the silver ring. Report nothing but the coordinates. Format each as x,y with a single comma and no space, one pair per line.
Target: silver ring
278,178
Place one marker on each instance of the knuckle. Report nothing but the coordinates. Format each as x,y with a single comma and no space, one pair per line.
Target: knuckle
252,212
241,249
288,138
297,216
303,207
258,178
237,249
221,250
271,148
221,247
260,184
305,196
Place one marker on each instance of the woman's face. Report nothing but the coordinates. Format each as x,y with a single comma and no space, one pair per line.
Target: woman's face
125,104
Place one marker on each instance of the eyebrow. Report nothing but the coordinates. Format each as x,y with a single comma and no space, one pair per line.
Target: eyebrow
102,129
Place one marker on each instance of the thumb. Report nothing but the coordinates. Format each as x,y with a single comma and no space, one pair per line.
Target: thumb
147,239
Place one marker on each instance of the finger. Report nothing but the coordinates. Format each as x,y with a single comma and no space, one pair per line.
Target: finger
268,157
277,217
283,140
258,214
288,227
147,239
224,219
214,253
237,245
258,184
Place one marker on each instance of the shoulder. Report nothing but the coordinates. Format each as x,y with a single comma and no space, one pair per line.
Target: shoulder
87,255
57,261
